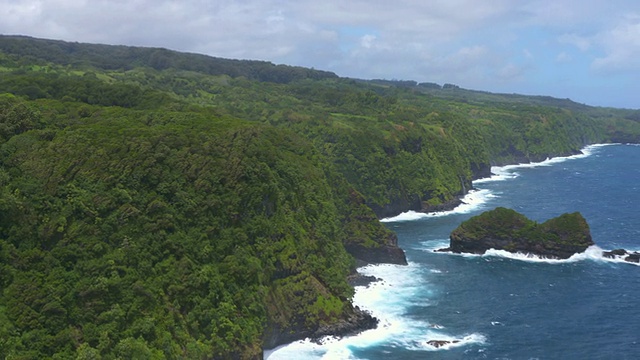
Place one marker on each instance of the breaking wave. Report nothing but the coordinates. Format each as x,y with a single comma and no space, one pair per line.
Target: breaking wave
471,202
388,300
476,198
592,253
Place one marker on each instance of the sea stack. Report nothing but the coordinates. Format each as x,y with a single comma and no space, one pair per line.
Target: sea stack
506,229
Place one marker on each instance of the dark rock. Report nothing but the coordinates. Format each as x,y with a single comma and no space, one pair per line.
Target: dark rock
446,206
414,203
440,343
386,253
383,254
396,206
635,258
618,252
358,279
614,253
481,171
357,322
353,321
506,229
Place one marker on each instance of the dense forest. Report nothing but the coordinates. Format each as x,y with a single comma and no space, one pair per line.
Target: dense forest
163,205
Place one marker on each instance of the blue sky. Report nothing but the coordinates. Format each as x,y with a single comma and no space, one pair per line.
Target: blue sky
586,51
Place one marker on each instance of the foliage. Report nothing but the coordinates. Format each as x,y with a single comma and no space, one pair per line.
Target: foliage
28,50
155,204
154,233
507,229
500,223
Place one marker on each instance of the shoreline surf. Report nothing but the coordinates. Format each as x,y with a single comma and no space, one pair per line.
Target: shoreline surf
383,301
592,253
476,197
387,299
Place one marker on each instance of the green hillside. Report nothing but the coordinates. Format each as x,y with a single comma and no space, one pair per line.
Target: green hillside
156,204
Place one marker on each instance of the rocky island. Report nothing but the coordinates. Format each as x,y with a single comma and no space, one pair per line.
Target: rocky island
506,229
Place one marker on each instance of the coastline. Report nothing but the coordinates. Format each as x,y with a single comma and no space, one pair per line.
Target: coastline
366,281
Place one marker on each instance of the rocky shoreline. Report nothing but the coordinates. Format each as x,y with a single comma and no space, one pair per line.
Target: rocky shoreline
358,320
358,279
353,320
633,257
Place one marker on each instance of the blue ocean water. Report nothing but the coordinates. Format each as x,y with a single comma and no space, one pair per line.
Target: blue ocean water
504,306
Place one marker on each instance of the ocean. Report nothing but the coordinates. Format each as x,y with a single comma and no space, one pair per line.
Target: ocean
510,306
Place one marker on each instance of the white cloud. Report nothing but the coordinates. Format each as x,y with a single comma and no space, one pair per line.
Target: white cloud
470,42
563,57
581,42
622,47
367,41
571,14
511,72
435,17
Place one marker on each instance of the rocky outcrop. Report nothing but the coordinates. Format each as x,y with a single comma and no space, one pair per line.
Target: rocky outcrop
357,322
414,203
384,254
396,206
633,257
445,206
440,343
369,241
358,279
353,321
480,170
506,229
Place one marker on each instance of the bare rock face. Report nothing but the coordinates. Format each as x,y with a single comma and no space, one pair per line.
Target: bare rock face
633,256
506,229
385,254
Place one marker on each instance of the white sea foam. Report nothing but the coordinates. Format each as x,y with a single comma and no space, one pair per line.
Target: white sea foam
470,202
388,299
453,342
403,286
406,216
476,198
383,299
592,253
433,245
507,172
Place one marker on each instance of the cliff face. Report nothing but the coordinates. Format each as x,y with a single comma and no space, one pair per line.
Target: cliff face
481,170
506,229
389,253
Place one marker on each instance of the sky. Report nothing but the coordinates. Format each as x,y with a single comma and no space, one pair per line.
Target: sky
588,51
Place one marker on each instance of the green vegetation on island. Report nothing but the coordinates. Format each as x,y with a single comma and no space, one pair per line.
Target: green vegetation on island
156,204
506,229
